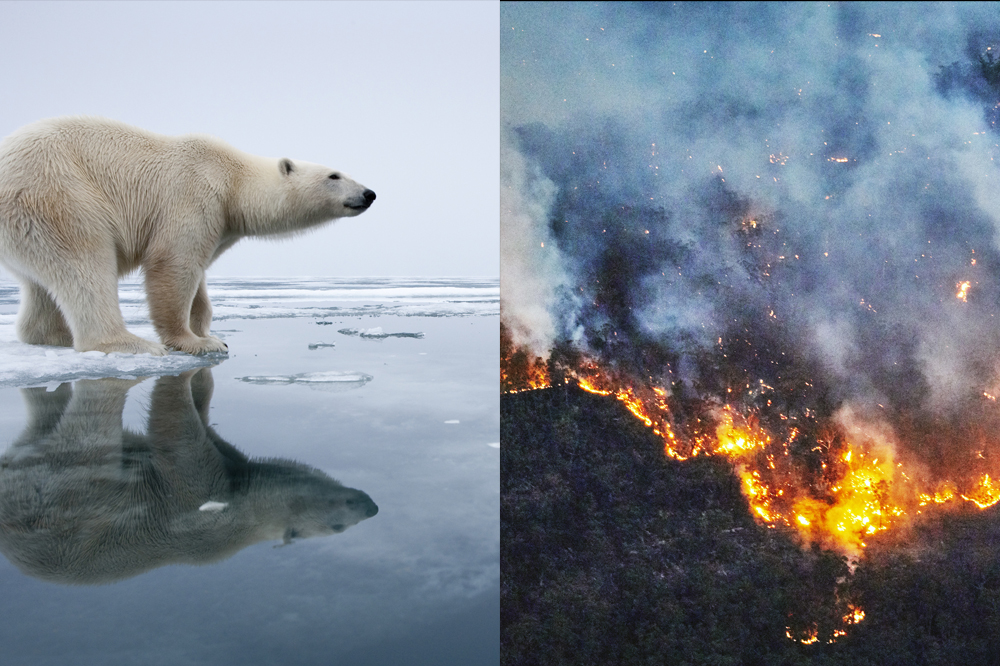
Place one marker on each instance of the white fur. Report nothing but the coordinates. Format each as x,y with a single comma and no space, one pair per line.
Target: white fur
84,201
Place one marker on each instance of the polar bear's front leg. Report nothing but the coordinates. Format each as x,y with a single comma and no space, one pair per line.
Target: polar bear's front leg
201,311
171,291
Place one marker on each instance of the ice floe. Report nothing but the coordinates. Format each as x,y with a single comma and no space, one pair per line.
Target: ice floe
330,380
377,333
24,365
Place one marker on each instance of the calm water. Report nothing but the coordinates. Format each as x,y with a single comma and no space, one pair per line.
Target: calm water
318,497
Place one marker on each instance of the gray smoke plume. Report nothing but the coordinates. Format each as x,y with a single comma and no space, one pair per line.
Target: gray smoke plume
803,195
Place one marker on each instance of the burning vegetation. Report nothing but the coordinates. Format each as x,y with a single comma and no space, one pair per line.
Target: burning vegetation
519,370
615,551
832,478
831,475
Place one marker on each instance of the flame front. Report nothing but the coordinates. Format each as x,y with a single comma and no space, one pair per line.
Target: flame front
849,490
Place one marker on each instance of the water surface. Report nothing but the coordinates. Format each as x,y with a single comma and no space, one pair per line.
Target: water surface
318,497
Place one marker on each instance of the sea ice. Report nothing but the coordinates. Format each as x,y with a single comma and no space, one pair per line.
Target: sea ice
330,380
24,365
377,333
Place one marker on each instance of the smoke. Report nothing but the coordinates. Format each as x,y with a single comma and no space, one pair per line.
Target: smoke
532,272
791,194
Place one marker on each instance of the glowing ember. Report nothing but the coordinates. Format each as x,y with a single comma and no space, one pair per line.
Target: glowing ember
856,615
963,291
811,635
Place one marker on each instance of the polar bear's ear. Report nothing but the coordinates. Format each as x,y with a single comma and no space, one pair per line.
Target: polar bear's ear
285,166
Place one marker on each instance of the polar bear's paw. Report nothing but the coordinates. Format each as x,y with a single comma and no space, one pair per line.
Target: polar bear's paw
128,344
199,346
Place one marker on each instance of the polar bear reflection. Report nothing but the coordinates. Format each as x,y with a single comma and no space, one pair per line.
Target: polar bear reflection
83,500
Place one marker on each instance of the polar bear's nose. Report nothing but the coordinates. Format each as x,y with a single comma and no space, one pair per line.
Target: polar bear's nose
369,196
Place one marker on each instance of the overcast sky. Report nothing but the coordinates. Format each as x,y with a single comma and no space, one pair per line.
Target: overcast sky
402,96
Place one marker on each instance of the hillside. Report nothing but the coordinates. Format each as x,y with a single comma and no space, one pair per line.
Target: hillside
614,554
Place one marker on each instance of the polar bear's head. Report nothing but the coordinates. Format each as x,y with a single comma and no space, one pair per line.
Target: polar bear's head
281,197
317,505
323,191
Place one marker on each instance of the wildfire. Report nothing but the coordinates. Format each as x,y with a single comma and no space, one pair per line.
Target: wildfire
851,490
836,483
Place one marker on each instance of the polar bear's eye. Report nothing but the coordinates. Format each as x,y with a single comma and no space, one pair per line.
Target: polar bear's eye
334,176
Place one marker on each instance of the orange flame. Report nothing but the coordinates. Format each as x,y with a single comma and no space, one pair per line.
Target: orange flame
985,494
860,491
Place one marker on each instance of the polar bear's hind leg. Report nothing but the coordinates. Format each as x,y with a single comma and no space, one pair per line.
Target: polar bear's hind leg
89,302
39,320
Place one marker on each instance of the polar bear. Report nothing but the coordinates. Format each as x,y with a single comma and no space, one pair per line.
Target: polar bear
84,201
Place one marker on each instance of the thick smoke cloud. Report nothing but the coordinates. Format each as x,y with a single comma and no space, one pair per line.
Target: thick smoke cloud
531,274
791,194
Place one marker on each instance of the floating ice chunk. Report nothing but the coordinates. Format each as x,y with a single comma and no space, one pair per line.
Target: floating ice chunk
213,506
331,376
452,421
495,445
330,380
266,379
320,345
377,333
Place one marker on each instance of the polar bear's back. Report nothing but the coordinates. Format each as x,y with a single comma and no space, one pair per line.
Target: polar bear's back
105,152
75,184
